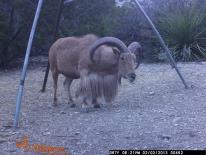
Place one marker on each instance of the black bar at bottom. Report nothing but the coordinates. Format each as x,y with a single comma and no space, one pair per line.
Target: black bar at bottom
157,152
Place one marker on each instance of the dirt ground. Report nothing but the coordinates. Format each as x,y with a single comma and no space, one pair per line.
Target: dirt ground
155,112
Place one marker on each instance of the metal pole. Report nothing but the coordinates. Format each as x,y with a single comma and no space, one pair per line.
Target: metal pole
172,61
23,74
54,38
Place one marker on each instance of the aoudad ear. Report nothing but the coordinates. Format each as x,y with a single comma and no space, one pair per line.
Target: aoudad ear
116,51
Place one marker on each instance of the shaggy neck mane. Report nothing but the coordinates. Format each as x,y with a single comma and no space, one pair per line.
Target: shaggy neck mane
96,85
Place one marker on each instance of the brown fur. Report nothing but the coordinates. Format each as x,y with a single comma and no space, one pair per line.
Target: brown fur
71,57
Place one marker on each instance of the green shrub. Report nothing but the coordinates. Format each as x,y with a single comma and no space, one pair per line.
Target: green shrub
185,33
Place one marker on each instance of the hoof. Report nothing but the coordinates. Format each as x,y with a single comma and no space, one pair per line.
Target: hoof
97,106
85,110
73,105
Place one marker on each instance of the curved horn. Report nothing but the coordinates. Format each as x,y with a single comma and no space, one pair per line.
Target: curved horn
109,41
136,48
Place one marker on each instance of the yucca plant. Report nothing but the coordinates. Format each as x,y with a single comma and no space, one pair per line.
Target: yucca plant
185,33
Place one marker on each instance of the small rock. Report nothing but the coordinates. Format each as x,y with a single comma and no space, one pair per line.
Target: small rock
2,140
32,121
46,132
192,134
8,126
77,133
12,133
127,137
165,137
63,112
151,93
192,86
130,120
129,116
7,134
12,150
2,130
176,119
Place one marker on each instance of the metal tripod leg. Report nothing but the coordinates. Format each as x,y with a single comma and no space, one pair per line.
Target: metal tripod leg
60,8
26,61
169,56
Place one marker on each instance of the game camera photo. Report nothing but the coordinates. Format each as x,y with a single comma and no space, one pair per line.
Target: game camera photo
102,77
